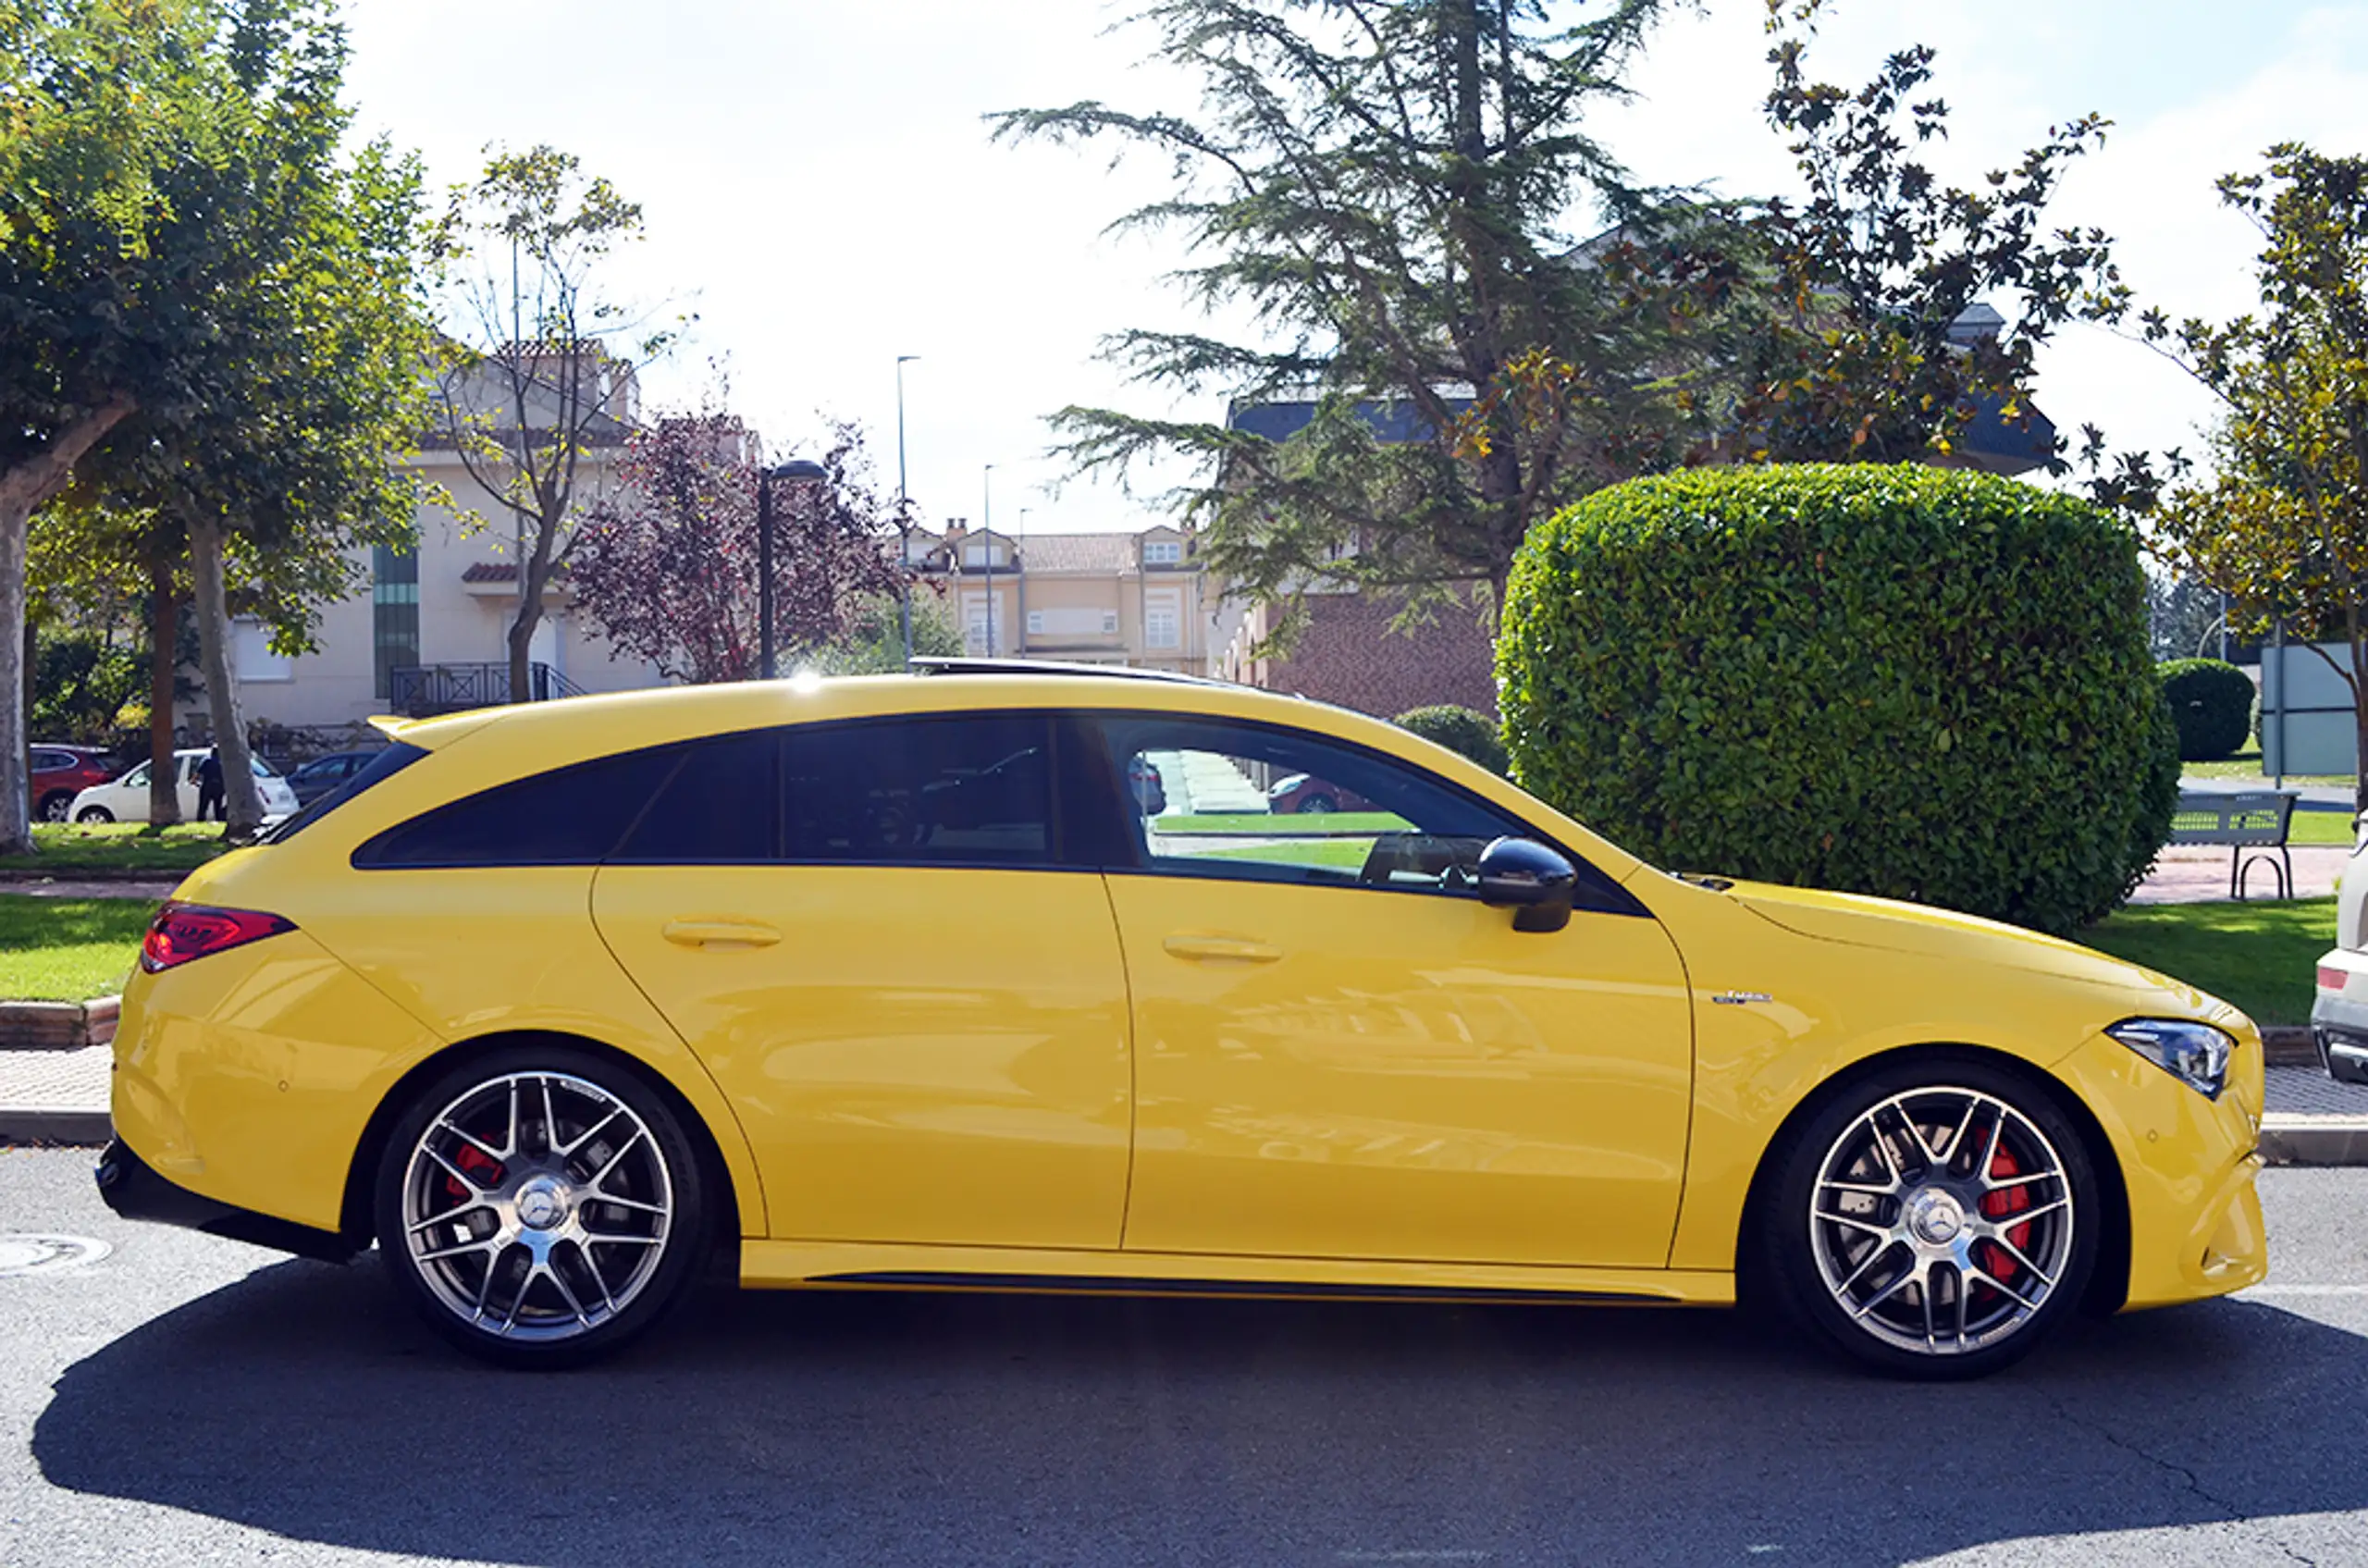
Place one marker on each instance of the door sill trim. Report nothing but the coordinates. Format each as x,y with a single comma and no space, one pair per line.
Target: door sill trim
864,1266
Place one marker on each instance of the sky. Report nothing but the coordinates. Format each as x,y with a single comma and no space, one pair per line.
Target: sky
821,190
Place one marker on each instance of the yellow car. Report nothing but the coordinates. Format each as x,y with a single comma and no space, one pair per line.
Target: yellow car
905,983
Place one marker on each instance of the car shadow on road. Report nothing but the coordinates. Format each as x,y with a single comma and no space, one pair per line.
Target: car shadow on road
882,1428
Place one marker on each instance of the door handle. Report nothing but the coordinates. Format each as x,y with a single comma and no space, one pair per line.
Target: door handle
1239,949
720,933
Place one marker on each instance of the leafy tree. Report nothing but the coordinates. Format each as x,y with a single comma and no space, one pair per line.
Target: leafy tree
284,466
1383,186
2281,524
874,641
214,314
105,277
539,385
1857,355
667,568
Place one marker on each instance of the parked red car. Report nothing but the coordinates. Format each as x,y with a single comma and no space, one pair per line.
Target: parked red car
1313,796
61,773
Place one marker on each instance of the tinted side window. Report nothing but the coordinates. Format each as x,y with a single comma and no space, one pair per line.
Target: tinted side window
384,766
569,817
951,790
723,804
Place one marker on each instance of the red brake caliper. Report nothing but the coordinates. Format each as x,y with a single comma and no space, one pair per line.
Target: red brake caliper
1998,1205
488,1170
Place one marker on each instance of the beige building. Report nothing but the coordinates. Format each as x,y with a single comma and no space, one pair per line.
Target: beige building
429,629
1139,600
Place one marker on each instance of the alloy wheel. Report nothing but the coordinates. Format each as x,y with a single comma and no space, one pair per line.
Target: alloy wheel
537,1206
1942,1221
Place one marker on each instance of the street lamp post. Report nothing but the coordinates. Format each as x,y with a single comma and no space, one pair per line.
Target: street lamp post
904,520
987,546
799,472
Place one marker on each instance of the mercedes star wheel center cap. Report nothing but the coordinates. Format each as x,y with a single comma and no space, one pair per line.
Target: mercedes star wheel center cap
542,1203
1934,1217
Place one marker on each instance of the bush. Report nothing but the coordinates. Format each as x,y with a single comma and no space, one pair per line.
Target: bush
1459,730
2212,702
1898,681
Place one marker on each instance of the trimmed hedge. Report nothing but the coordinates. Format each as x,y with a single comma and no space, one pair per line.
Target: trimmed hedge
1889,680
1459,730
2212,702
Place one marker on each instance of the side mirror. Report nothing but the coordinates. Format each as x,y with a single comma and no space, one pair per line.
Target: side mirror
1534,883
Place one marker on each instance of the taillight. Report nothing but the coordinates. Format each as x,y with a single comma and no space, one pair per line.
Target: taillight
2331,978
182,932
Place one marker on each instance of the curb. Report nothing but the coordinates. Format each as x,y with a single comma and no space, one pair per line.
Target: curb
2314,1141
86,873
58,1026
54,1125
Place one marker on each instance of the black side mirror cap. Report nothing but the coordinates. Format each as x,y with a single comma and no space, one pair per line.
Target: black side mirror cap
1535,882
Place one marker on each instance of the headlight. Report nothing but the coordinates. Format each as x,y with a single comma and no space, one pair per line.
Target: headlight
2195,1054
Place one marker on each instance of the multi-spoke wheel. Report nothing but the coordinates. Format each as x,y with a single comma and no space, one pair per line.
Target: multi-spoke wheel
1938,1220
539,1206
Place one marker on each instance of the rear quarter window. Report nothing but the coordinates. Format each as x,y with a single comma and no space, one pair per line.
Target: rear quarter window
384,766
571,815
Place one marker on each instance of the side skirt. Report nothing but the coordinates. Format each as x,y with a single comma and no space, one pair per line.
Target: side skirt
843,1266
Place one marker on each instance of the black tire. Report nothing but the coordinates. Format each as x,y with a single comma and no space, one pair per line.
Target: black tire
520,1232
1316,805
56,805
1820,1245
94,814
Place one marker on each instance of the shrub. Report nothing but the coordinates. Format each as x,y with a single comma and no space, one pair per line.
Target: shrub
1898,681
2212,702
1459,730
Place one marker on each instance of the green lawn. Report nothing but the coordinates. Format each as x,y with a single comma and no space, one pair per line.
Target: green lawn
1349,853
68,949
2260,955
133,847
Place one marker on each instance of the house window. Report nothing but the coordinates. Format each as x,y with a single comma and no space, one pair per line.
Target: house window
251,655
1163,552
1109,623
394,612
979,629
1035,623
1160,626
980,555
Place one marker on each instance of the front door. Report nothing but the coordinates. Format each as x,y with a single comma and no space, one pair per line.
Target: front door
1341,1052
865,932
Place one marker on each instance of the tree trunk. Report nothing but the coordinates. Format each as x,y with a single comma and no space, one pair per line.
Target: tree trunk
522,644
22,490
164,634
239,796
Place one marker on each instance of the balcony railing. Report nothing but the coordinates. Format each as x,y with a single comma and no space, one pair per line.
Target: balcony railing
422,690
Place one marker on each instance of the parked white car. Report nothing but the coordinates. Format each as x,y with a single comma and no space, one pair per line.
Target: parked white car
126,800
2339,1016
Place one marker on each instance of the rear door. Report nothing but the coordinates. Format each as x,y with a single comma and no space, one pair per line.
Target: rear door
870,935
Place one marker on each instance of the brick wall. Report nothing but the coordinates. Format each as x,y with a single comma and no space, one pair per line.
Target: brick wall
1348,655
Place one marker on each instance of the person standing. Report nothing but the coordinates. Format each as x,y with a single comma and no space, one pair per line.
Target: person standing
209,787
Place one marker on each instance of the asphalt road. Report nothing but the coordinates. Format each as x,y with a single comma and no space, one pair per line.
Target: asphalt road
190,1401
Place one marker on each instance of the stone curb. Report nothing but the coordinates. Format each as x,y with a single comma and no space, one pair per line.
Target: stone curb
89,873
2289,1045
53,1124
2314,1141
58,1026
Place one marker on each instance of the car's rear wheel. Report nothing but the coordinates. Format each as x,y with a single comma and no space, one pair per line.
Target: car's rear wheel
56,805
541,1206
94,814
1937,1220
1316,805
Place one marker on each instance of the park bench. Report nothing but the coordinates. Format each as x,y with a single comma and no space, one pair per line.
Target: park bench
2249,820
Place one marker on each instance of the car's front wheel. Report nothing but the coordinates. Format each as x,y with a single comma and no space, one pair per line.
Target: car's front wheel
56,805
94,814
541,1206
1938,1220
